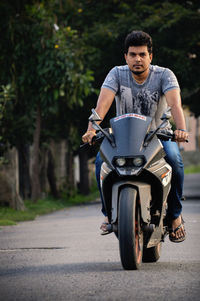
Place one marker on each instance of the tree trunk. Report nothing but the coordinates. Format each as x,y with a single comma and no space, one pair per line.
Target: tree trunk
17,202
70,171
51,175
197,134
35,179
9,182
24,175
84,173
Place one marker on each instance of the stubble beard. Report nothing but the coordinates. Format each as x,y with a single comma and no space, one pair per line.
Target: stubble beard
138,72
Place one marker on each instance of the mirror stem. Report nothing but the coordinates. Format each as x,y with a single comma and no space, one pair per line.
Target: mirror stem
104,132
153,134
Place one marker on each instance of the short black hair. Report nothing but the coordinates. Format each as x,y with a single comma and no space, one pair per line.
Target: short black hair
138,38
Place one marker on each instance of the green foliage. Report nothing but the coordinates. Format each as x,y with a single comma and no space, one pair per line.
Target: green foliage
6,94
55,54
46,69
174,26
52,46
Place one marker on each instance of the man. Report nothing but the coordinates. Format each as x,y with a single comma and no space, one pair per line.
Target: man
142,88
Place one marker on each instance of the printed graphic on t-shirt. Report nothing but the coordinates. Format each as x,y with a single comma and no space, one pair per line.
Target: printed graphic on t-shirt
144,102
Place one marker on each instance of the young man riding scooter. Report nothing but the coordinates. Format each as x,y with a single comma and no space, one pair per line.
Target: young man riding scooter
146,89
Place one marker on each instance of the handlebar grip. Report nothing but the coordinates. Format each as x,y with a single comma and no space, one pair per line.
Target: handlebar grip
167,136
173,139
84,146
95,139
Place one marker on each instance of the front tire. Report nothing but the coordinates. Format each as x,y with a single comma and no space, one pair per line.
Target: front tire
130,233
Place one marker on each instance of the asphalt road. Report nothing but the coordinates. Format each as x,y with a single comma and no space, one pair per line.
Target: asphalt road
61,256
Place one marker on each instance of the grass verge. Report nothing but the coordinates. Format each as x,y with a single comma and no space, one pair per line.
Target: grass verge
192,169
9,216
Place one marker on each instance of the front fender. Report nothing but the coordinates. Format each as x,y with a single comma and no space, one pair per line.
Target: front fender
144,192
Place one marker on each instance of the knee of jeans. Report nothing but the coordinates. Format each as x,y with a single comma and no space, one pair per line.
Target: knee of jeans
176,162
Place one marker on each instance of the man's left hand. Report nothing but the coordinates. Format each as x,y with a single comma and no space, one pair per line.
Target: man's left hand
181,136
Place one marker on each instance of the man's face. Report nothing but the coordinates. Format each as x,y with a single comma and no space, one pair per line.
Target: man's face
138,59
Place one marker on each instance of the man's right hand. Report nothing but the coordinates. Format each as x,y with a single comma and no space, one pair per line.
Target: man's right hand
87,137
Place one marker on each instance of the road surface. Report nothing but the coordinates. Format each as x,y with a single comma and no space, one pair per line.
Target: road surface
62,256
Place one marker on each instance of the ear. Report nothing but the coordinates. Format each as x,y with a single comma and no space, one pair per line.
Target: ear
151,56
125,56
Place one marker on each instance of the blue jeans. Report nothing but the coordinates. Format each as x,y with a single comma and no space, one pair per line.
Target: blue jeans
173,157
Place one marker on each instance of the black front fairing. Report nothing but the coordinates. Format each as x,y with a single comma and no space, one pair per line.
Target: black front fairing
151,180
129,133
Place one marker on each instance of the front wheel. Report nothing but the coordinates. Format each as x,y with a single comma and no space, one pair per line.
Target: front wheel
129,227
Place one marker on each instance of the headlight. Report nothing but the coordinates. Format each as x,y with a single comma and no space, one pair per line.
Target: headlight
138,161
120,162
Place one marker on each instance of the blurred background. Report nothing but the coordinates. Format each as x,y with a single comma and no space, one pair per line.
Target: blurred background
54,56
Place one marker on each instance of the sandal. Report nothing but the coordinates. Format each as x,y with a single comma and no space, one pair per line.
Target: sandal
174,238
104,228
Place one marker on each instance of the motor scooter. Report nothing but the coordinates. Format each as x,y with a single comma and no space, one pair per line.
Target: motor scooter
135,182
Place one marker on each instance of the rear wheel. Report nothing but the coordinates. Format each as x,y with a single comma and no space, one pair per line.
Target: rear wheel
129,229
152,254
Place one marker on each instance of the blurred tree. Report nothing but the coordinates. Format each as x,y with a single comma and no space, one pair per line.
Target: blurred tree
174,26
48,46
46,71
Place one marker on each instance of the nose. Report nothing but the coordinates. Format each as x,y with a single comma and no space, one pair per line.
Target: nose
138,58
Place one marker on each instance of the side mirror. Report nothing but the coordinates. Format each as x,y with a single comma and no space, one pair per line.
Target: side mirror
94,116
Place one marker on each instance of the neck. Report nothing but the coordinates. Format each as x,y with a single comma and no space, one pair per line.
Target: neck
140,78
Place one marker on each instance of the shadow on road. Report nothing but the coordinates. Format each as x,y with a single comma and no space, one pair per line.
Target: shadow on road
75,268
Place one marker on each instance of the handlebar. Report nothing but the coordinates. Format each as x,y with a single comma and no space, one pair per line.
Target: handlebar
166,135
162,135
98,138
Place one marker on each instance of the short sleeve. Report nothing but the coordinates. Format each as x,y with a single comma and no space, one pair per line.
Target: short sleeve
169,81
111,81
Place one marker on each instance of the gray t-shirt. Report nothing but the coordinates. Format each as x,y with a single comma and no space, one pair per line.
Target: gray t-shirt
147,98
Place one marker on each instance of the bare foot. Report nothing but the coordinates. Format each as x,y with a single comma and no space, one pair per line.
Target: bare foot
104,224
106,219
181,231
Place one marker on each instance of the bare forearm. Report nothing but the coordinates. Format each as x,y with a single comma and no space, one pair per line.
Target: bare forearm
174,101
104,103
178,116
